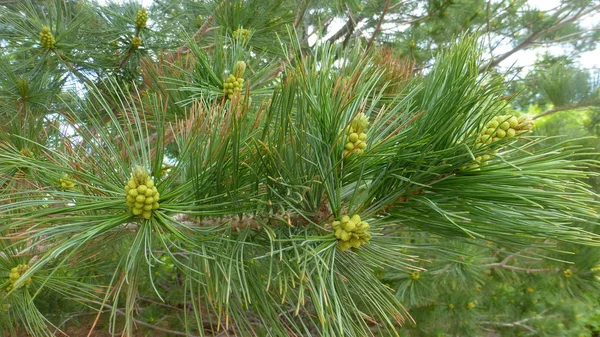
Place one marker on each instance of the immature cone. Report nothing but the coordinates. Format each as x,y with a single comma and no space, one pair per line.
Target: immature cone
241,34
498,128
505,127
351,232
66,183
141,194
136,42
47,39
141,18
234,82
356,135
15,275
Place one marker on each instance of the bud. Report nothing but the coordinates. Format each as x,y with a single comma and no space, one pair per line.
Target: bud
23,87
239,69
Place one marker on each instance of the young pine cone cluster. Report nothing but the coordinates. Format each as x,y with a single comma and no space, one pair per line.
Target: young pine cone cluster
136,42
500,127
47,39
16,273
351,232
356,135
141,18
142,196
234,82
241,34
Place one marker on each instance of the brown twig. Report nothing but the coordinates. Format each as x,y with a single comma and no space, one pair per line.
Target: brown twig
566,107
531,39
378,28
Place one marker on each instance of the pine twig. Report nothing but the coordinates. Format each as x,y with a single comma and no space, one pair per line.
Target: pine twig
521,322
531,39
504,265
566,107
378,28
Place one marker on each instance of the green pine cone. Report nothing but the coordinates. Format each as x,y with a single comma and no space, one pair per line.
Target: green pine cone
355,140
16,273
141,18
47,39
351,232
136,42
233,84
141,195
241,34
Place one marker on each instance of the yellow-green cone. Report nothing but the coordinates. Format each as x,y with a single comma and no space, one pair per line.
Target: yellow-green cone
241,34
47,39
351,232
234,82
356,135
141,194
66,183
15,275
500,127
141,18
136,42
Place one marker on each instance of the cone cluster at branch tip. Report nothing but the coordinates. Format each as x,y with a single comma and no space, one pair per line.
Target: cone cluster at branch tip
15,275
234,82
141,18
136,42
356,135
498,128
351,232
66,183
141,194
26,152
241,34
47,39
505,126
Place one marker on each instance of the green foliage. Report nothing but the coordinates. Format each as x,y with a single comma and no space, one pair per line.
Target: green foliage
268,224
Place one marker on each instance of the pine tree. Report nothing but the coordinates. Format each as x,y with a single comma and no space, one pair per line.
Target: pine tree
201,169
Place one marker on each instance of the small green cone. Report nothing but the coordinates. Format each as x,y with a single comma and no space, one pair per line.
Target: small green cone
141,19
141,196
351,232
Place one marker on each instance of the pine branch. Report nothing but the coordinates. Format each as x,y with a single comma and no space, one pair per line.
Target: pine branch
347,28
521,322
378,29
582,104
531,39
504,265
